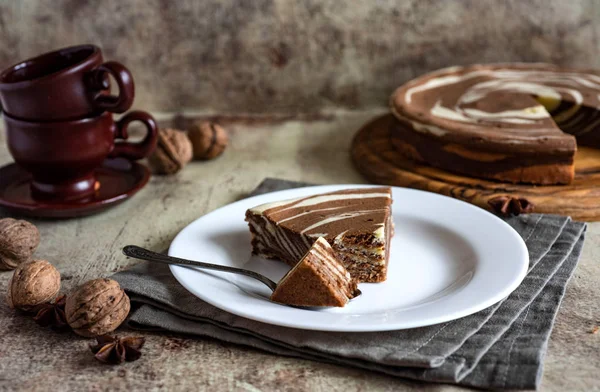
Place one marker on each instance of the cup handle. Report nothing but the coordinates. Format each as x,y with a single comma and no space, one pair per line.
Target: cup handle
99,81
135,151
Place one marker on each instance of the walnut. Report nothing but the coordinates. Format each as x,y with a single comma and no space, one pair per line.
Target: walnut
33,284
18,240
97,307
173,152
208,140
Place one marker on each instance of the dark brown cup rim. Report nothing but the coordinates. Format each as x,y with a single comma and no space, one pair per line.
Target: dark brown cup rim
24,123
74,67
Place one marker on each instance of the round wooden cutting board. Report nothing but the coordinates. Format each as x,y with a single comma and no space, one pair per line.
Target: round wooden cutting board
375,157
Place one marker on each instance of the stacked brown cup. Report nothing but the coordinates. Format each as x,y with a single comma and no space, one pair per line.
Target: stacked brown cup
59,123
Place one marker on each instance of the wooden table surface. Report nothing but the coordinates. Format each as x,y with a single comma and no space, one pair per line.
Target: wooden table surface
32,358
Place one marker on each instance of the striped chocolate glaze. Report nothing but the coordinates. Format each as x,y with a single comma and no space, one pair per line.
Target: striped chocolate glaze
506,103
347,212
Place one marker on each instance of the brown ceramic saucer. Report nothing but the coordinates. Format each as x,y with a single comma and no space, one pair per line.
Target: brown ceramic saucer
119,179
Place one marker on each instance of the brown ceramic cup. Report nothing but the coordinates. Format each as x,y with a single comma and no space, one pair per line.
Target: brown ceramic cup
61,156
69,83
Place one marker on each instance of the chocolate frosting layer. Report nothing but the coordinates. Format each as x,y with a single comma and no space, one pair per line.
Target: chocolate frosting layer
347,212
516,105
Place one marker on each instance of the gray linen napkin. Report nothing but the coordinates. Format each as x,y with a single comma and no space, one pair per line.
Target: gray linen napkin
500,347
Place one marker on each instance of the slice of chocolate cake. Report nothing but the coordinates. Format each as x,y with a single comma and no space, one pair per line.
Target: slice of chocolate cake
355,222
319,279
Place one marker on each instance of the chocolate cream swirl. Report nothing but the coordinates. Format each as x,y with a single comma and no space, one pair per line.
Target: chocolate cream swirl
524,106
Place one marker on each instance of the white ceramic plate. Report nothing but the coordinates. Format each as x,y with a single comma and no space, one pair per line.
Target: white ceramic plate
448,259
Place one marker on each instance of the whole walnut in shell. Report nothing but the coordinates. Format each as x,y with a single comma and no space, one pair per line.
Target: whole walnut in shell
32,284
97,307
18,240
208,140
173,152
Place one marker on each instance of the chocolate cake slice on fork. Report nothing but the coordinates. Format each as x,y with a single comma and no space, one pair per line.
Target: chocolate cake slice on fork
318,279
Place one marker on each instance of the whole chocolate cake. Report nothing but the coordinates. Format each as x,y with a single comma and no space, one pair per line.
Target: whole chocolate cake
357,223
507,122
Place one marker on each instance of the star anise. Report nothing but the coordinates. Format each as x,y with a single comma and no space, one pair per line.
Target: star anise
510,205
52,314
115,350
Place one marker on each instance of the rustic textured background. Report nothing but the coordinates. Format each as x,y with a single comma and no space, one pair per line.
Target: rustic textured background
266,56
262,57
